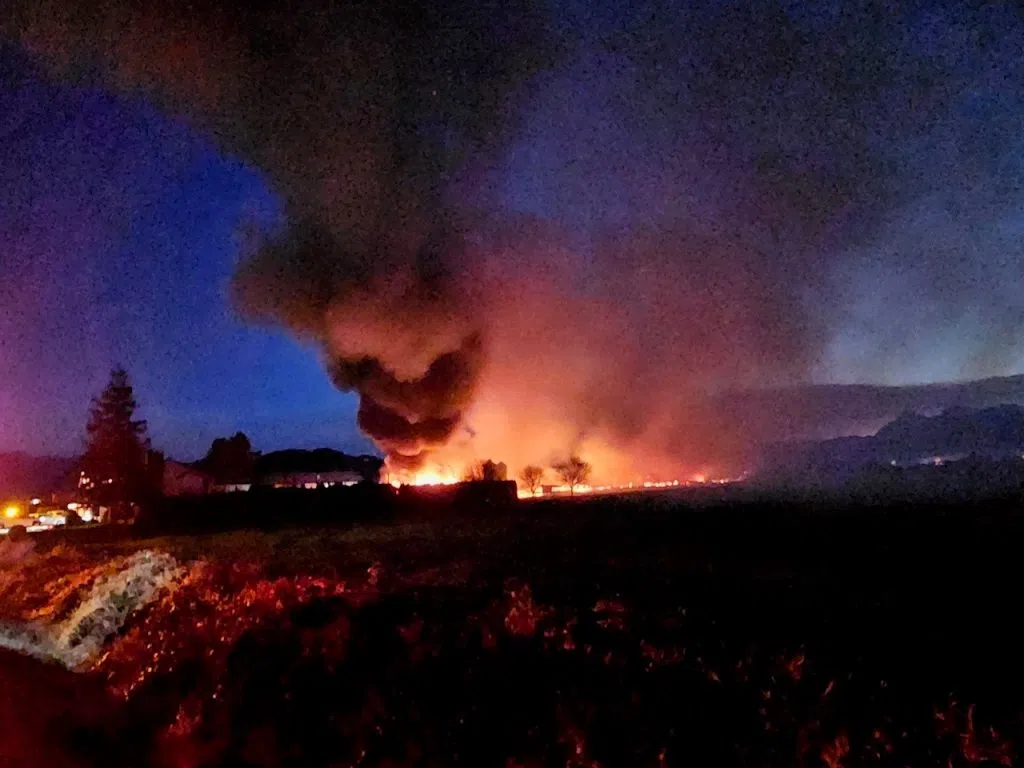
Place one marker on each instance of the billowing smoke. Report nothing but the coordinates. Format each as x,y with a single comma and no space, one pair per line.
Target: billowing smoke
362,115
408,417
516,235
399,333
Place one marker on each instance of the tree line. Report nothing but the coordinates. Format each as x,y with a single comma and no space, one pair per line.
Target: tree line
117,466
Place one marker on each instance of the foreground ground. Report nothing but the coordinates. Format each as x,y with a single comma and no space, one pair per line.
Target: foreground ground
616,632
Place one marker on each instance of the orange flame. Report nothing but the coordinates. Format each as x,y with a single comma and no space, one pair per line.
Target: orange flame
426,476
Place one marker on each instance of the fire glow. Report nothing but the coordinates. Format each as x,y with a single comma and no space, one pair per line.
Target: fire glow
446,475
634,487
426,476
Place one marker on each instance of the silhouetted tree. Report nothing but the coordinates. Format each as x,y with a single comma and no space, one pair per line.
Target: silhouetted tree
531,476
573,472
489,471
115,454
230,460
155,463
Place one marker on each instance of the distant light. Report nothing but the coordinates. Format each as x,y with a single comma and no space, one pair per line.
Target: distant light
12,511
36,502
72,506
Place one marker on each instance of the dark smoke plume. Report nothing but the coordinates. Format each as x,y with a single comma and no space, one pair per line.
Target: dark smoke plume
707,197
408,417
361,114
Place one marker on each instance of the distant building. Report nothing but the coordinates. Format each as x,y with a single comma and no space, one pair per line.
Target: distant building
281,469
184,480
230,487
300,479
315,469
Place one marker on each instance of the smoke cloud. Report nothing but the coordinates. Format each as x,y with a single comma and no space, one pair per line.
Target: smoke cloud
359,114
517,234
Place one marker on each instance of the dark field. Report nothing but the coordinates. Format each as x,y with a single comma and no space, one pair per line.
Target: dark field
651,630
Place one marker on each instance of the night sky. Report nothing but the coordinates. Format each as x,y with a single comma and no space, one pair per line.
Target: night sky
877,164
120,231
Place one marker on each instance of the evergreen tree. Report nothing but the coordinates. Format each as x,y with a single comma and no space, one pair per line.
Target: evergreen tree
230,459
115,455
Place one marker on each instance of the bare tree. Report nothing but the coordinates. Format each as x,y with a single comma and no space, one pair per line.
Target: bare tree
573,472
531,476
